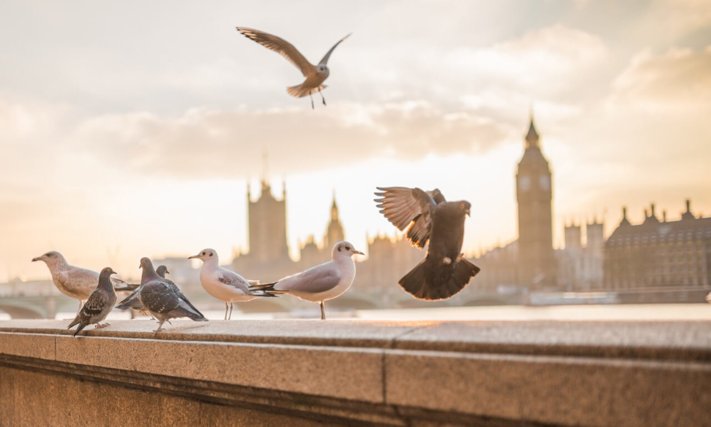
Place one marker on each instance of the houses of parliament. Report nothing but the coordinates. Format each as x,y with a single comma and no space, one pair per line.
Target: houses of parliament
655,253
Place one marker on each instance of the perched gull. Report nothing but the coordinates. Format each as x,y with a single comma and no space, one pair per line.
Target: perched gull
74,282
427,216
99,304
320,283
315,74
224,284
162,298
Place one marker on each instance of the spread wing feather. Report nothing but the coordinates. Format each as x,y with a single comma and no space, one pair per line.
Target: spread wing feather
409,209
282,47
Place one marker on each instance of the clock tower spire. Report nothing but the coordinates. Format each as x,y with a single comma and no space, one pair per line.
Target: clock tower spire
534,195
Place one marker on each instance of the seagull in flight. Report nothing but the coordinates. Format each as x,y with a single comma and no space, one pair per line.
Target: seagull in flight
315,74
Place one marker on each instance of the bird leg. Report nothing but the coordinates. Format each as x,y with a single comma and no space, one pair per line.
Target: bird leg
101,325
322,98
230,316
79,309
312,100
323,311
160,325
226,307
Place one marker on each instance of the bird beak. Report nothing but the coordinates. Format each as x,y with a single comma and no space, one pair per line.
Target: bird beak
358,252
36,259
469,213
194,256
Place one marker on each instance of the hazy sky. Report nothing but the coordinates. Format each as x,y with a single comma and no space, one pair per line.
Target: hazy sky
130,128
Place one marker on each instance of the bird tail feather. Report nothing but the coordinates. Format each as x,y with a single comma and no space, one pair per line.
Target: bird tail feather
131,301
265,290
79,329
188,310
432,280
300,91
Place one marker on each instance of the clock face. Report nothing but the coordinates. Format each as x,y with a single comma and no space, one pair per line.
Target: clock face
524,182
545,182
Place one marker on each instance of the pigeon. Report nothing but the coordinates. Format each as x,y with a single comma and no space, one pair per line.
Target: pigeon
162,298
74,282
99,304
133,301
425,216
315,74
224,284
320,283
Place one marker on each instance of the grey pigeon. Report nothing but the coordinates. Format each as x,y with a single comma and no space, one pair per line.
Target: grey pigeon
74,282
99,304
426,216
133,301
315,74
162,298
322,282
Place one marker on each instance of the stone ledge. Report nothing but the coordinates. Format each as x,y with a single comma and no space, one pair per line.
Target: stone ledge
490,373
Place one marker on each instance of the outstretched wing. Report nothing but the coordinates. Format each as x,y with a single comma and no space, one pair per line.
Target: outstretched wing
409,209
324,60
280,46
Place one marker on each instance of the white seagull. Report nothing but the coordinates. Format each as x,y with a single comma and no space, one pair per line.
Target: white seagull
320,283
74,282
315,74
224,284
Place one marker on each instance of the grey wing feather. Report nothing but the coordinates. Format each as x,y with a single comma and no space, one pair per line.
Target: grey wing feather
95,304
324,60
233,279
281,46
317,279
408,209
158,297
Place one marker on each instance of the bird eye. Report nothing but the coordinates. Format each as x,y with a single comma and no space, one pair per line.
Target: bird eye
348,248
202,253
211,254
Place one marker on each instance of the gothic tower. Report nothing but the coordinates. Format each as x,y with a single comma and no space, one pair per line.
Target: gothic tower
267,226
534,194
334,232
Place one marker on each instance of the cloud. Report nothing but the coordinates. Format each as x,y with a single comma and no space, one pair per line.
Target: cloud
676,79
217,143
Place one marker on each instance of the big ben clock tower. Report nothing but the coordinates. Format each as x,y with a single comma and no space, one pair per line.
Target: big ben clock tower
534,194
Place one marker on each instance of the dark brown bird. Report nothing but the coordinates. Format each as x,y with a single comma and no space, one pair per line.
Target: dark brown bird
99,304
426,216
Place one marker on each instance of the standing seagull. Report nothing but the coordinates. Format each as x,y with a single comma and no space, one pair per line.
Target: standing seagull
162,298
427,216
99,304
74,282
315,74
224,284
320,283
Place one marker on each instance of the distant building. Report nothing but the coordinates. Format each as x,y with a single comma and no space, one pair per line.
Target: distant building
534,194
267,226
580,267
659,253
388,260
499,268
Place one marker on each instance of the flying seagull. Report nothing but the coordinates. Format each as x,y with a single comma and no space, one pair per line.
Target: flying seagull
315,74
162,298
224,284
74,282
426,216
320,283
99,304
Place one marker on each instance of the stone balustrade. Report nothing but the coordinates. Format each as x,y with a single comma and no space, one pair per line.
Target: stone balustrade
306,372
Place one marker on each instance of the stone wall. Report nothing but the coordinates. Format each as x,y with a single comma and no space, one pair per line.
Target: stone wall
309,372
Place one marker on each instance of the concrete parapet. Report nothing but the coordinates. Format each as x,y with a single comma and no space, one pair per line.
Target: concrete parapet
306,372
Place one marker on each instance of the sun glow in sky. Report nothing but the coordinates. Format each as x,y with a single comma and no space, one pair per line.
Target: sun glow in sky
132,128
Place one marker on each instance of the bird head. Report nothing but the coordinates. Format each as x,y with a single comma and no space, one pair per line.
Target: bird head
145,262
345,249
107,271
162,270
323,69
205,255
50,258
465,207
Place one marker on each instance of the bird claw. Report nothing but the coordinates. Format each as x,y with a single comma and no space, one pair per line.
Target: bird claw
101,325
